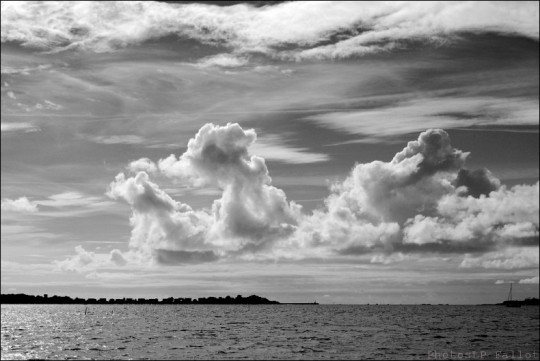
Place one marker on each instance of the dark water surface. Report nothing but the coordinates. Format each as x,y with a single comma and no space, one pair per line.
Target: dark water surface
268,331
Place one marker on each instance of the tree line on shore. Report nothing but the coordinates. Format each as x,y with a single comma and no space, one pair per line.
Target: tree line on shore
529,301
22,298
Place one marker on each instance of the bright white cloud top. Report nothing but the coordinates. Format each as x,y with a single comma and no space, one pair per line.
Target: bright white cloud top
363,26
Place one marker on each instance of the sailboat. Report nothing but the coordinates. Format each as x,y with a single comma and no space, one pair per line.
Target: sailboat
510,302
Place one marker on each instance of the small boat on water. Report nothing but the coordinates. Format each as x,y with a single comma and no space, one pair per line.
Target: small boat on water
510,302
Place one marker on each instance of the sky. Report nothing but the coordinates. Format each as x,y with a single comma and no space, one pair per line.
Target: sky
343,152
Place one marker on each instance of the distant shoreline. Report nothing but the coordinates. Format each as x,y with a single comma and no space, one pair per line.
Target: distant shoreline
526,302
45,299
22,298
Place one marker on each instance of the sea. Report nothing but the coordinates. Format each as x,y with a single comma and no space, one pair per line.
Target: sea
284,332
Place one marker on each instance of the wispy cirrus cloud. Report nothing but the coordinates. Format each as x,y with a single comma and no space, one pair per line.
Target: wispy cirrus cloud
29,221
72,199
223,60
272,148
10,70
117,139
20,126
444,112
26,233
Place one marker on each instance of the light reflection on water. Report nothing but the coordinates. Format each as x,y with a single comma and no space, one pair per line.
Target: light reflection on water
263,331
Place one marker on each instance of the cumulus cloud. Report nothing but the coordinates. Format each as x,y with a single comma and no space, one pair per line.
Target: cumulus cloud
477,182
410,184
337,231
117,257
342,29
142,164
85,260
21,204
506,215
249,215
158,221
250,206
532,280
424,200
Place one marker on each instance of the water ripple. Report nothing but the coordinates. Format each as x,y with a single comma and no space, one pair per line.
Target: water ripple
262,331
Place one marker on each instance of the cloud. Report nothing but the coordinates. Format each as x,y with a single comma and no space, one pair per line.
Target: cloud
21,204
410,184
336,232
511,258
250,206
223,60
85,260
412,116
268,147
343,29
22,232
72,199
384,25
506,215
388,259
500,282
169,257
61,206
532,280
142,164
76,263
423,201
9,70
271,148
118,139
158,221
477,182
117,257
13,127
250,213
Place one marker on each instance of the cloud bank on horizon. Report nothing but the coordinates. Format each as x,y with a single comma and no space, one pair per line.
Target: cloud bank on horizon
282,31
422,201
